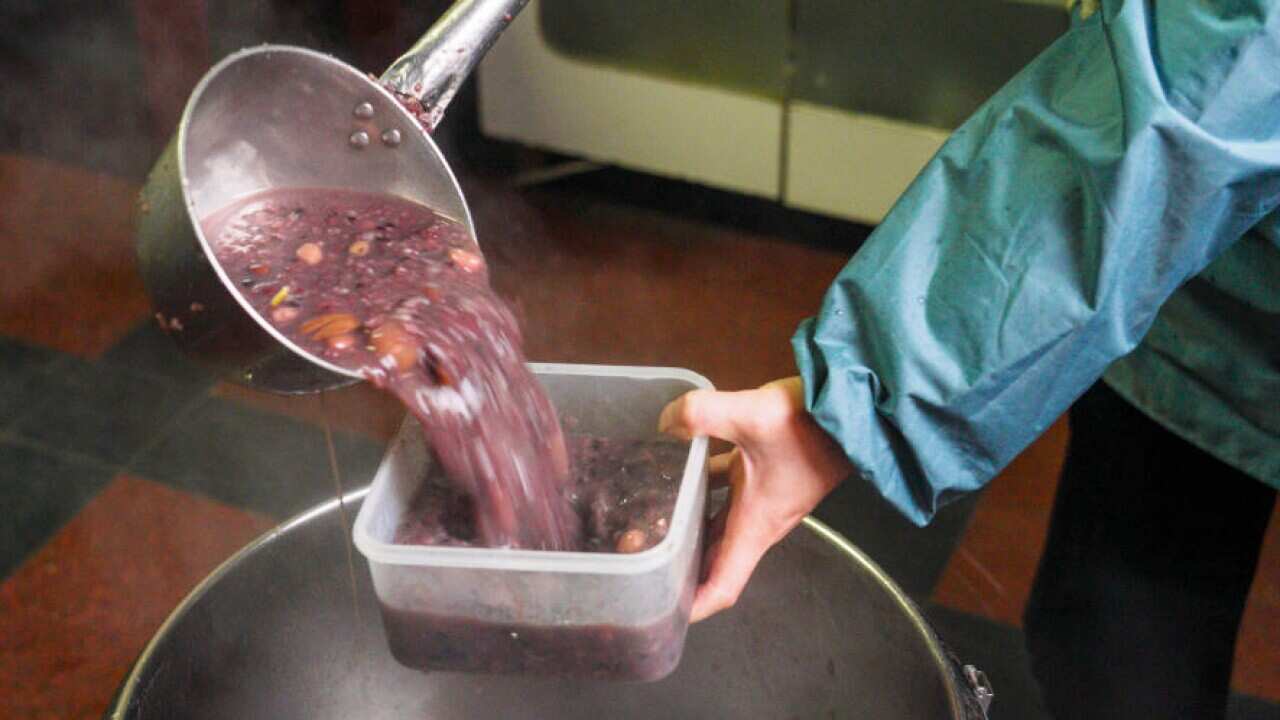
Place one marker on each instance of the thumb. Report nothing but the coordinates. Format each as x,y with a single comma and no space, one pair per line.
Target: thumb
704,412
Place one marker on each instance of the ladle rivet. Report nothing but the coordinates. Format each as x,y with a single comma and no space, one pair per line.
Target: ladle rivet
359,139
391,138
364,110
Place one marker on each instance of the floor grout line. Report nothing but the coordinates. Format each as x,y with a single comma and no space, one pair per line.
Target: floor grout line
8,437
162,432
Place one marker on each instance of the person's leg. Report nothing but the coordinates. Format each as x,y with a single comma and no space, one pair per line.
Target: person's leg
1151,551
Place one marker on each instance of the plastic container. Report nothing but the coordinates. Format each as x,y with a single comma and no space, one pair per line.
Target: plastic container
584,615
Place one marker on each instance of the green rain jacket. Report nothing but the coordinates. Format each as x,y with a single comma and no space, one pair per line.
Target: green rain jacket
1113,209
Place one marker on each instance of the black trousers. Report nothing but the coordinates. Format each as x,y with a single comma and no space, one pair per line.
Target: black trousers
1151,551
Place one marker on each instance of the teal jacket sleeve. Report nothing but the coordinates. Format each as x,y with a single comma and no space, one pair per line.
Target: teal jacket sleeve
1039,243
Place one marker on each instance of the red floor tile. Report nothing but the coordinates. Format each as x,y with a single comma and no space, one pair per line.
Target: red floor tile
991,570
1257,666
71,281
77,613
599,282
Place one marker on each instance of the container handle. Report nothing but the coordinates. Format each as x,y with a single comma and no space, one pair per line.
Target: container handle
437,65
980,686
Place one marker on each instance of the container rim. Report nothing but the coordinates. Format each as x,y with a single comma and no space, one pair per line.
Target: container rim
682,523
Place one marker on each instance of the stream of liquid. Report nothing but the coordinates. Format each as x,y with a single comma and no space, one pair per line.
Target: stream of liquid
345,528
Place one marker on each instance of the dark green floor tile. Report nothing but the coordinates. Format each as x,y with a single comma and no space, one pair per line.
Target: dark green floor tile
102,412
39,492
1246,707
17,357
18,361
256,460
148,351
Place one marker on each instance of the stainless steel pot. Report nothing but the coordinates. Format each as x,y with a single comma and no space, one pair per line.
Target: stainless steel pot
278,116
821,632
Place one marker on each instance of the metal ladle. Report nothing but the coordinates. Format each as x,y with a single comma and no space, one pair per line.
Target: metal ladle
277,116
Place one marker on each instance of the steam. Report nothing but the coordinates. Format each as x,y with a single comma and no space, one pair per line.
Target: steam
101,85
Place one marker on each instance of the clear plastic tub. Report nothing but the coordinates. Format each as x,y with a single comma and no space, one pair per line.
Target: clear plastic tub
594,615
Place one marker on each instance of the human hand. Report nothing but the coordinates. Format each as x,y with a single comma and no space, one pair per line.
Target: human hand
783,465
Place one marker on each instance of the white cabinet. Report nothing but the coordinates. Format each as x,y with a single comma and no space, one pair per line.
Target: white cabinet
826,105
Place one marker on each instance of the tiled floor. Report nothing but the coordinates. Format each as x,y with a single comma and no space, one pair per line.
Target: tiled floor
126,473
77,613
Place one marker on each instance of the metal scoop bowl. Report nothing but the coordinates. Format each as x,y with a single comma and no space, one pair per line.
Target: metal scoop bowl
285,117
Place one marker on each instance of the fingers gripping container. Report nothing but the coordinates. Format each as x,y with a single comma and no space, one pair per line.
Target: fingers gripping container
572,614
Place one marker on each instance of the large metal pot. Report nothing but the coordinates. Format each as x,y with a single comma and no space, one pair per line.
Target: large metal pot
275,632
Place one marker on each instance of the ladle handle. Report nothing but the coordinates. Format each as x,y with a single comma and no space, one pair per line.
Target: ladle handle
436,66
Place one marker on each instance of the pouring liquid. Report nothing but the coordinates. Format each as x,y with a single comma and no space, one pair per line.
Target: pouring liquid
342,509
